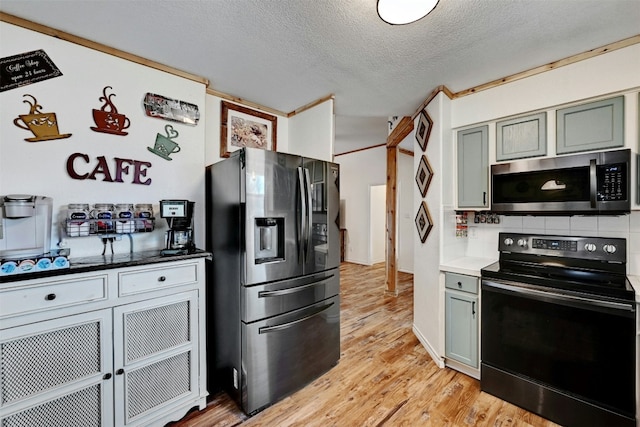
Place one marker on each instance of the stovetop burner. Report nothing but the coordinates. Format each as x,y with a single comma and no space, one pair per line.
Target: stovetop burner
591,265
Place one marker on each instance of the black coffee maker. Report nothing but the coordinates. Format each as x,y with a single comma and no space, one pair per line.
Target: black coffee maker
179,216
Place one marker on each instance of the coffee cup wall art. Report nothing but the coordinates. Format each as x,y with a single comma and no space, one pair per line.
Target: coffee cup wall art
44,126
165,145
107,118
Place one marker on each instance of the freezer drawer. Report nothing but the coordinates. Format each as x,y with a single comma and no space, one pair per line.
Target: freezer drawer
271,299
284,353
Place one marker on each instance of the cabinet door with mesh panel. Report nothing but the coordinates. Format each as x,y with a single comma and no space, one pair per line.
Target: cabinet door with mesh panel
155,357
58,372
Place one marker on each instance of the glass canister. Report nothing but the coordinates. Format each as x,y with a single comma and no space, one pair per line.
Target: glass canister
78,223
102,213
124,216
144,217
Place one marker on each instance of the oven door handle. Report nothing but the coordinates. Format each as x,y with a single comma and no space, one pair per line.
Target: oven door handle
576,301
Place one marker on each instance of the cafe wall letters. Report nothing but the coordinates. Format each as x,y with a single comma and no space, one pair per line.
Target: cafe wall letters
26,68
107,118
44,126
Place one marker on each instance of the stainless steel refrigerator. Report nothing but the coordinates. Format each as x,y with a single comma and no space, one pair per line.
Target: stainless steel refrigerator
273,303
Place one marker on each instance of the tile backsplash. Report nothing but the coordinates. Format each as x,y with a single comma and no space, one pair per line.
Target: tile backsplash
482,239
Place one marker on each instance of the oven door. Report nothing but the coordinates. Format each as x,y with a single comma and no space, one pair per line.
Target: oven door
568,358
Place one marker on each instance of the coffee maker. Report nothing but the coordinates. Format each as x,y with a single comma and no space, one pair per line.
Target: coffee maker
179,216
25,225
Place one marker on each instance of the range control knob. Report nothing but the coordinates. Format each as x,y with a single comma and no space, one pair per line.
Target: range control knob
522,243
590,247
508,241
609,248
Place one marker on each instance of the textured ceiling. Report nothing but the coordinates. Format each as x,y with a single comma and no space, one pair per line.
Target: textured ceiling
286,53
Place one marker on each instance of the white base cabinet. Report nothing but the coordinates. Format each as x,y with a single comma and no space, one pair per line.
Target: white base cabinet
132,354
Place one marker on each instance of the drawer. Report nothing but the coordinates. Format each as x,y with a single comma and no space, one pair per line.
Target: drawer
151,279
461,282
52,295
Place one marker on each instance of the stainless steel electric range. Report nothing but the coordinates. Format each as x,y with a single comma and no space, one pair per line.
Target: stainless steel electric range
558,318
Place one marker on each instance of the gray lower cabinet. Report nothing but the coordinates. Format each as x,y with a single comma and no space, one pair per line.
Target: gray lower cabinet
473,167
461,318
593,126
521,137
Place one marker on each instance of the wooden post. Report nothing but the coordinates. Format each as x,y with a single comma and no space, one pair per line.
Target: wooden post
405,126
390,242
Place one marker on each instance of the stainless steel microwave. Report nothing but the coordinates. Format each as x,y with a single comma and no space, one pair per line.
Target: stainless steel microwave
582,184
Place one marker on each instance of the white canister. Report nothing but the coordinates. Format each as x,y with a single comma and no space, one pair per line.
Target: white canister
124,216
78,219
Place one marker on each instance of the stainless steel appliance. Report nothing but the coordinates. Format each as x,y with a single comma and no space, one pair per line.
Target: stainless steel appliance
25,225
273,304
558,319
592,183
179,216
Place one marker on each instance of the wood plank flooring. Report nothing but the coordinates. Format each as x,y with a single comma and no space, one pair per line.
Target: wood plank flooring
385,377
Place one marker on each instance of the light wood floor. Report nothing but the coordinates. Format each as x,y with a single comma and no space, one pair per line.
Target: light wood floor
385,377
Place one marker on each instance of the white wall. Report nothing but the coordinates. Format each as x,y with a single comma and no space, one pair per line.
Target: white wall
311,132
428,321
358,171
40,167
405,213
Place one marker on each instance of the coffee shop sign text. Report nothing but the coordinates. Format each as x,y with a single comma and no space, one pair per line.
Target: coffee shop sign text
81,166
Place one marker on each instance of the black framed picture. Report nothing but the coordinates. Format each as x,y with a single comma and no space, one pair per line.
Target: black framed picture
424,223
424,129
424,175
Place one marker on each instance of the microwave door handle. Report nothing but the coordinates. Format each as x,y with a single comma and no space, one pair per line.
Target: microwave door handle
593,183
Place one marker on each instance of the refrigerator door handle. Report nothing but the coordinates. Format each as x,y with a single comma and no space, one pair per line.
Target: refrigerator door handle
293,290
307,239
302,232
274,328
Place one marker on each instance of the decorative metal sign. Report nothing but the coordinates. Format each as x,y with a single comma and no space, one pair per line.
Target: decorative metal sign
26,68
171,109
165,145
44,126
107,118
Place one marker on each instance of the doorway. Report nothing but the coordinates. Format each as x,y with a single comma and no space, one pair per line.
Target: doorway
377,223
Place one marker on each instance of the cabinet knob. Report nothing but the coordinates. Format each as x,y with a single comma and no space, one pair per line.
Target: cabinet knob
120,371
459,284
106,377
161,279
50,297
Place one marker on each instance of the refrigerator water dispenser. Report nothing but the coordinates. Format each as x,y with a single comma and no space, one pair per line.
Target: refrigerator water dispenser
269,240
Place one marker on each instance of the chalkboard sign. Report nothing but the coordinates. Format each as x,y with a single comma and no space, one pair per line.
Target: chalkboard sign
26,68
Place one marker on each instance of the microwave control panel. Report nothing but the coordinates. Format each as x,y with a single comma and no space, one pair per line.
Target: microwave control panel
612,183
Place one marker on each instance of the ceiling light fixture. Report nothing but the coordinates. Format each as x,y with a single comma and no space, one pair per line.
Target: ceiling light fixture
398,12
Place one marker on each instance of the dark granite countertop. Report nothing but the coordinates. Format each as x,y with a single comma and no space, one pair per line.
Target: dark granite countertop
105,262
